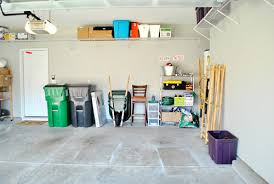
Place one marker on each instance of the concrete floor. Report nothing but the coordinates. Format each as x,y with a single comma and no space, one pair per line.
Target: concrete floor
129,155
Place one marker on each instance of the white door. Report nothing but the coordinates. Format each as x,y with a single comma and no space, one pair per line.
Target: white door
35,74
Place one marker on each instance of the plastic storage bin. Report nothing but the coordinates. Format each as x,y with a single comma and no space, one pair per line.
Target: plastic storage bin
134,30
121,28
222,146
57,100
189,99
168,70
165,32
153,113
81,105
143,30
179,101
154,31
174,85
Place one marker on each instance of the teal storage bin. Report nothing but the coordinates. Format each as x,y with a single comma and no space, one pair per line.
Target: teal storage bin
121,28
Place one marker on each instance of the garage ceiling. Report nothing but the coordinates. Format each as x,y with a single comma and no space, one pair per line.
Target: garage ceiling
19,5
77,17
70,12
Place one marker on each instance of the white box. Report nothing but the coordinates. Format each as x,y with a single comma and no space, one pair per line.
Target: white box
189,100
154,31
143,30
22,36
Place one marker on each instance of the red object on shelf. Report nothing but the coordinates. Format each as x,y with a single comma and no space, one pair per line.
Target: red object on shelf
134,30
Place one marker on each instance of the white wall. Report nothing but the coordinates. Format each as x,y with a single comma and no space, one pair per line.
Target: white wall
86,61
248,51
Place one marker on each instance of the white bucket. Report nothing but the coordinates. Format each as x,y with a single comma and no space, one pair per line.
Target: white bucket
154,31
168,70
143,30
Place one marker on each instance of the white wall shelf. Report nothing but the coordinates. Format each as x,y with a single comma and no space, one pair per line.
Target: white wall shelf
101,40
212,18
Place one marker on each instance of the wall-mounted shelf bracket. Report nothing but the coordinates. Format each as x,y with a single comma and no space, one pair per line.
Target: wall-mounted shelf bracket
270,3
213,17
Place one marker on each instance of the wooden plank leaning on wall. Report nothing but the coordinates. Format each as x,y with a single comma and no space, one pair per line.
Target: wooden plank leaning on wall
211,88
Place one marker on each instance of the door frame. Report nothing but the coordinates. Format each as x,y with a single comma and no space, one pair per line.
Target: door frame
22,89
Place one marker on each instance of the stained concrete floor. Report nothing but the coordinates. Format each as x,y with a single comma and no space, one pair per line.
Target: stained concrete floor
129,155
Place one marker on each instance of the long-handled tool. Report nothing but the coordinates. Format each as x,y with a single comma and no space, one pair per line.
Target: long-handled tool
123,112
111,102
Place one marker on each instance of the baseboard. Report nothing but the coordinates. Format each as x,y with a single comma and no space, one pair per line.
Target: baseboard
34,118
246,173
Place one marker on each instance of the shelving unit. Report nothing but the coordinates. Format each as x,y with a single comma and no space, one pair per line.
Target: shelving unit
212,18
169,92
6,93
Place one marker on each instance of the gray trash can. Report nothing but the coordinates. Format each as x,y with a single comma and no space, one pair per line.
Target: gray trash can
81,105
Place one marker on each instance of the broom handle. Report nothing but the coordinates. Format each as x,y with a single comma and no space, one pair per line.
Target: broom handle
123,113
111,101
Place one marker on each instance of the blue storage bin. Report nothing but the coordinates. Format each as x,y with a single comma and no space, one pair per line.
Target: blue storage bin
121,28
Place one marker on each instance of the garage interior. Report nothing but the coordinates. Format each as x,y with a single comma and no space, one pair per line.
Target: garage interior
136,91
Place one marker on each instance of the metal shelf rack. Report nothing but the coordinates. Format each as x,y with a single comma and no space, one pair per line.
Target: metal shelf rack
190,78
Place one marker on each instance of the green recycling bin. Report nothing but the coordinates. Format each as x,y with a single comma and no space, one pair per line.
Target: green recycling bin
57,100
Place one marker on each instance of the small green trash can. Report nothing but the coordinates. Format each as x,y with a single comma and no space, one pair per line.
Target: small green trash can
57,100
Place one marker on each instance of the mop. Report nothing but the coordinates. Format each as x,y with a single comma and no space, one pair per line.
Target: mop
123,112
111,102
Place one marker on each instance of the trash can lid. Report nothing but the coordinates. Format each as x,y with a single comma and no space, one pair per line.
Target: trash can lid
79,85
89,86
55,85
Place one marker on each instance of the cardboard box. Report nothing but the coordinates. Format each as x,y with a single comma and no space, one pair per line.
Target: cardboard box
100,33
87,32
5,71
171,117
83,33
5,80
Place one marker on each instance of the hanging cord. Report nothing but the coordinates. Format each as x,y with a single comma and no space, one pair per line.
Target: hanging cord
50,16
27,13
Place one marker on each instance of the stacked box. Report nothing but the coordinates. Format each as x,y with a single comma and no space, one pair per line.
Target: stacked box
189,100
